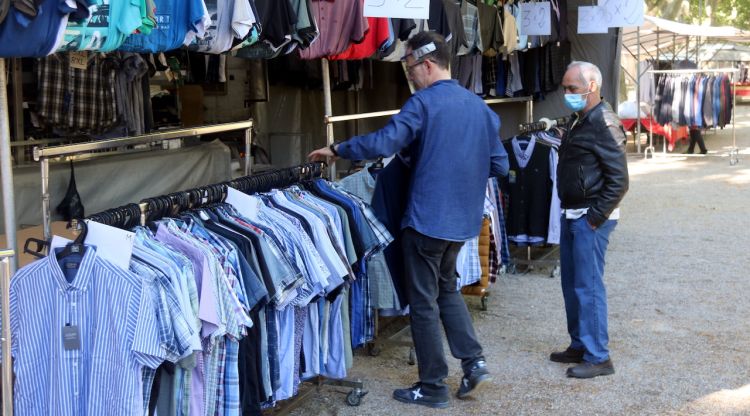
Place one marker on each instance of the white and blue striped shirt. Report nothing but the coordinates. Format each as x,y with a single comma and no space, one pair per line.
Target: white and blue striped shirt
118,337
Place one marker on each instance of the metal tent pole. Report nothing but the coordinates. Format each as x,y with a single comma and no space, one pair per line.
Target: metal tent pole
7,372
328,107
248,149
734,153
638,93
18,134
6,171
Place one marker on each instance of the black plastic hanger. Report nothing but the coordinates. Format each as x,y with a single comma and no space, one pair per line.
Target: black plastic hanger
77,246
376,167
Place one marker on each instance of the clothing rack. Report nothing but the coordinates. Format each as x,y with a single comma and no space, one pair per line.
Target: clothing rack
7,370
329,119
734,151
43,155
547,258
154,208
541,125
7,257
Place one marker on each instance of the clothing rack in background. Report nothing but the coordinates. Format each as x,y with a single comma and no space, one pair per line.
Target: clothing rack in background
734,150
544,124
549,256
329,119
43,155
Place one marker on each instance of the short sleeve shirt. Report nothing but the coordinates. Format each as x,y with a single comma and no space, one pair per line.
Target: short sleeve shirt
340,24
173,21
117,329
107,27
39,34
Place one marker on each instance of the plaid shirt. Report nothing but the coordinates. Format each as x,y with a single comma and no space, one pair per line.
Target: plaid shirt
74,99
489,74
469,266
232,379
215,369
384,237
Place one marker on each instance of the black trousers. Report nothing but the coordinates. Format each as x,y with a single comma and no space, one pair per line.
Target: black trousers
696,137
431,279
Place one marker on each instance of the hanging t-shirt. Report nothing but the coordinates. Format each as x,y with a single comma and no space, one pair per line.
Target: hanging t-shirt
374,39
229,19
109,24
173,22
40,34
340,24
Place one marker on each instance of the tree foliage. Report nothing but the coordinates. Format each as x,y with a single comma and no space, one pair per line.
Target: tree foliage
713,12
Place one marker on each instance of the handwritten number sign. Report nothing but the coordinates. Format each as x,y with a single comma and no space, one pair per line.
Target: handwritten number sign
405,9
591,20
535,19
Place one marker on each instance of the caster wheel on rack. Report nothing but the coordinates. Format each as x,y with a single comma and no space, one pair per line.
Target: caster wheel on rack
373,350
555,272
354,398
412,356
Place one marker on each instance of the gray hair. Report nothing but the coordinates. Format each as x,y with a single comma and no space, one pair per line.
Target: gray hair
589,72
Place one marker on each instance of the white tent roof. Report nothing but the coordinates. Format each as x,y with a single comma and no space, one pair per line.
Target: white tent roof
675,36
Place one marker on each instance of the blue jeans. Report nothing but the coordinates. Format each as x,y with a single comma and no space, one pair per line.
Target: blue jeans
582,251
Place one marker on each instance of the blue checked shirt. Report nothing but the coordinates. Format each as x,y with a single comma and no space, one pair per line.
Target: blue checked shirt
468,266
118,338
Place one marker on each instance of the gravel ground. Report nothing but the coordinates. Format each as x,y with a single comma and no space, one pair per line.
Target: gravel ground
678,310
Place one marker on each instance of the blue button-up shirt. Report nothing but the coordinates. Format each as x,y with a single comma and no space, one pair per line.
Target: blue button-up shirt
453,140
117,332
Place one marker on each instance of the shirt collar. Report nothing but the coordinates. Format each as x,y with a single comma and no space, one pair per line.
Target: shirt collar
83,275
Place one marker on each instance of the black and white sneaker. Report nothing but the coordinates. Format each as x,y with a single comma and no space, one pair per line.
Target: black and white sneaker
477,377
416,395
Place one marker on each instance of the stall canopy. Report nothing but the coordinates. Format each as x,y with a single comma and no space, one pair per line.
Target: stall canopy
660,34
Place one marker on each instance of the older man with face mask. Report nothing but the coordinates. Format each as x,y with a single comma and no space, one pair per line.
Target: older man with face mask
451,139
592,179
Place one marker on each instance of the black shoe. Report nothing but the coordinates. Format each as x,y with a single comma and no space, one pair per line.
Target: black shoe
478,376
569,356
588,370
415,395
703,152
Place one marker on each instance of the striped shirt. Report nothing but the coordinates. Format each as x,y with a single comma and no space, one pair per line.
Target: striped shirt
118,338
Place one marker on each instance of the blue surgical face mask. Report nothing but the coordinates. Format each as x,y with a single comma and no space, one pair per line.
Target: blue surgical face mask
576,102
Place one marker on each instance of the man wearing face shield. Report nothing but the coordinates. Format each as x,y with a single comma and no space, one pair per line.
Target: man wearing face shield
451,141
592,179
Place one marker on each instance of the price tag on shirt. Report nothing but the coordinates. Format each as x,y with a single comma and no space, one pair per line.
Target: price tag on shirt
71,336
79,60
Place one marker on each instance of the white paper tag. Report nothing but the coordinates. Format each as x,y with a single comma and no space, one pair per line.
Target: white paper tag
248,206
112,244
79,60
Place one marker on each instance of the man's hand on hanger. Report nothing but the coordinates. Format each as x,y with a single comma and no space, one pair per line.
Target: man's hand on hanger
324,154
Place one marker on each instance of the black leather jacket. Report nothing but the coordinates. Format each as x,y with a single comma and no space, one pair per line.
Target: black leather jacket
592,171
